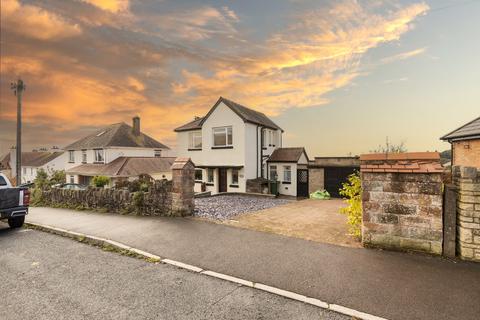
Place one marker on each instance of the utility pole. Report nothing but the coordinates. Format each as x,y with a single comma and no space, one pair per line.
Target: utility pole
18,89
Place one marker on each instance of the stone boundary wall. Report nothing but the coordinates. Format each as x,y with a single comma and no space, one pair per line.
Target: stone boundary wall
467,182
165,198
402,201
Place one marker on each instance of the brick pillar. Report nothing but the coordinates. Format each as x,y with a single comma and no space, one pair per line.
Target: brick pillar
183,176
467,181
402,201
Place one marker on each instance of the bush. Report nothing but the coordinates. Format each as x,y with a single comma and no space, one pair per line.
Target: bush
57,177
138,201
100,181
36,197
41,180
352,191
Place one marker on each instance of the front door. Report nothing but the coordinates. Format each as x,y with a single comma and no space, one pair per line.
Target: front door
302,183
222,180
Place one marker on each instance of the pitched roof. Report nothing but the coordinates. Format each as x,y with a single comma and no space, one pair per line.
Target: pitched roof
32,159
193,125
115,135
247,115
287,155
465,132
125,167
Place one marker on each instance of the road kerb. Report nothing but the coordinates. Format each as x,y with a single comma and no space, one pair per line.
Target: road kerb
155,258
182,265
228,278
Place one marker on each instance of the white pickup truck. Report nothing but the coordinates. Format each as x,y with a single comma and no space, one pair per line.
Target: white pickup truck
14,202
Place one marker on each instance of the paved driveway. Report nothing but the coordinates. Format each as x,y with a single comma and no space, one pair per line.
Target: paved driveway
316,220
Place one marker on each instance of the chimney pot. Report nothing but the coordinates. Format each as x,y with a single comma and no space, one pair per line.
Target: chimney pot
136,125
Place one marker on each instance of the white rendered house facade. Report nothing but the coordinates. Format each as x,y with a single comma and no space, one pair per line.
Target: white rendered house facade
228,146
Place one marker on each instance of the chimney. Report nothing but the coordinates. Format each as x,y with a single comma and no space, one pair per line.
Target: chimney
136,125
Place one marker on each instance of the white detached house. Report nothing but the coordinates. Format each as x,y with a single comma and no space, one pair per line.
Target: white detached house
230,147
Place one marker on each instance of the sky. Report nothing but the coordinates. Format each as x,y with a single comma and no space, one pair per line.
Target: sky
340,77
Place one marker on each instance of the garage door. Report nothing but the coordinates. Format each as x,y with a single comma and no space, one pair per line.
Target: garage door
335,177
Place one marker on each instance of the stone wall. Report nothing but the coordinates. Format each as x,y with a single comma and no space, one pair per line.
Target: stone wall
466,153
467,182
164,198
402,201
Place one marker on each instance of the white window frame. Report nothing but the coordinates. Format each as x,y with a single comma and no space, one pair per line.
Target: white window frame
225,130
157,153
72,179
264,138
84,156
274,167
201,171
71,156
192,143
212,171
287,169
235,183
99,155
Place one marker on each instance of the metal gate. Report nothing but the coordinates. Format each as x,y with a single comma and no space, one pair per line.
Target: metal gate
302,183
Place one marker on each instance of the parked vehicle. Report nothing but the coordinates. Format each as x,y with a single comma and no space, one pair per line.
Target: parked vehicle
71,186
14,202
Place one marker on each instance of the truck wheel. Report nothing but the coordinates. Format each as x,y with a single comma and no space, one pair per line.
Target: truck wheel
16,222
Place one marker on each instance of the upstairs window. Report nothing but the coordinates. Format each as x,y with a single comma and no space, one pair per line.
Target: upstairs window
84,156
195,140
158,153
71,156
287,173
222,137
198,175
99,156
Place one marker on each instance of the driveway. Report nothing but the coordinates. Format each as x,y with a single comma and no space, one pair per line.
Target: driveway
50,277
315,220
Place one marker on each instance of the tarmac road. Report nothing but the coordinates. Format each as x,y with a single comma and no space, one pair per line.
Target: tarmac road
49,277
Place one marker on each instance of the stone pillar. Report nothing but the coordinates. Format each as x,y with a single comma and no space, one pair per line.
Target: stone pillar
467,181
402,201
183,181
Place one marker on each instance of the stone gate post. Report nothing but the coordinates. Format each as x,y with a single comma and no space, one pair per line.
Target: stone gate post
183,181
402,201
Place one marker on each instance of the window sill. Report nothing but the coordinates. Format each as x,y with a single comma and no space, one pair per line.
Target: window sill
195,149
209,184
286,182
233,186
84,162
264,148
224,147
71,161
99,162
198,181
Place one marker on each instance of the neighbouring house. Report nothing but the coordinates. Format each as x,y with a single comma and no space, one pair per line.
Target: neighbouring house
32,162
465,142
329,173
230,147
125,168
90,155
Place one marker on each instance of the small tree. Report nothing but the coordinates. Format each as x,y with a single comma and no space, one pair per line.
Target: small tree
41,180
100,181
390,148
57,177
352,191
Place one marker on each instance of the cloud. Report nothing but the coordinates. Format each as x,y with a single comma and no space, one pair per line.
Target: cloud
113,6
35,22
91,64
404,55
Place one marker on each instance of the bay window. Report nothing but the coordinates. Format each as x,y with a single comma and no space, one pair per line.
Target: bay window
222,137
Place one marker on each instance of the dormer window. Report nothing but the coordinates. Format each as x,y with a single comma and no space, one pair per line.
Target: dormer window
223,137
99,155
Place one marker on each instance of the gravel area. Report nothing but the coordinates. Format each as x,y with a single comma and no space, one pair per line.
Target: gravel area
227,206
